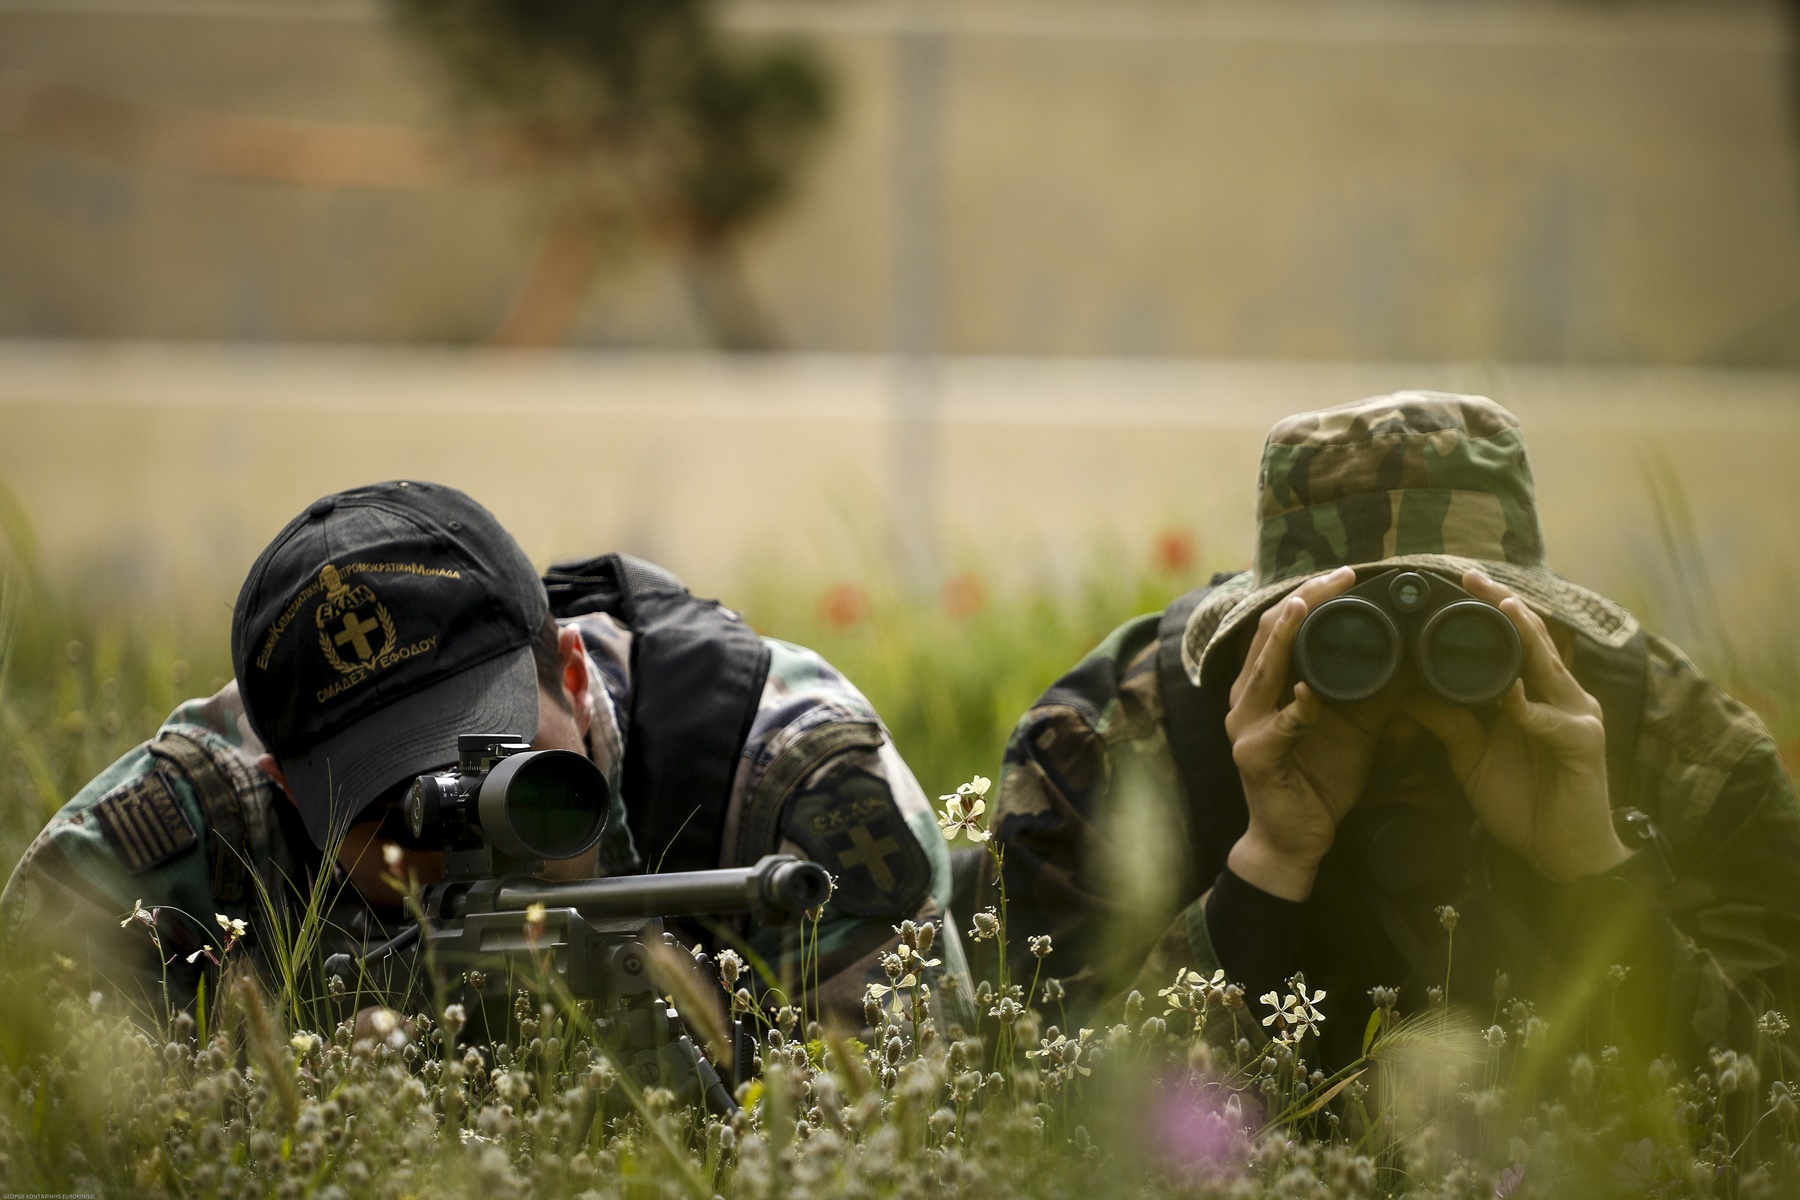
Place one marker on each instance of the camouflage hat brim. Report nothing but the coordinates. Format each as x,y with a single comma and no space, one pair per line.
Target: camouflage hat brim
1234,605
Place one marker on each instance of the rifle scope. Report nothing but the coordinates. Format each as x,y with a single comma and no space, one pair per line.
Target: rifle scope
525,803
1351,646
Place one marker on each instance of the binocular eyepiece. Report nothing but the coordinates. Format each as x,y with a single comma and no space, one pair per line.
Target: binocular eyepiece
524,803
1352,645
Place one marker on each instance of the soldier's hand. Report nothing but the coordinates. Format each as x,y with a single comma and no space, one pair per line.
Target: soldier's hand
1536,777
1303,763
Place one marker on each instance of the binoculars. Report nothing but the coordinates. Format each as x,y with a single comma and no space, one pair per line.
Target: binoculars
1464,649
526,804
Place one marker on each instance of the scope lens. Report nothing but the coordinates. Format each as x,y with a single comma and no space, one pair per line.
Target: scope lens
556,804
1470,652
1347,650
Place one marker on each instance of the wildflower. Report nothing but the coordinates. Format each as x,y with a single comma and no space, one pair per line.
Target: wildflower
1193,992
1053,991
987,924
1615,974
1581,1075
1040,946
963,810
140,914
731,967
1495,1037
1296,1014
1448,917
393,856
1772,1024
535,913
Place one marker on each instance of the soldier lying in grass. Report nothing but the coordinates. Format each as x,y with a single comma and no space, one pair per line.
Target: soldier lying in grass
1607,834
378,626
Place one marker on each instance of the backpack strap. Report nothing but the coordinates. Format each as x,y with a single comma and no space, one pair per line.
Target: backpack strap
697,680
1194,722
226,792
1618,679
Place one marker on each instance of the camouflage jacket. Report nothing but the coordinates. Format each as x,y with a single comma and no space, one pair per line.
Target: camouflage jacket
187,827
1105,852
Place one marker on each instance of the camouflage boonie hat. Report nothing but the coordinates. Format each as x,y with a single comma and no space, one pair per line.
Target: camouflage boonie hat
1430,480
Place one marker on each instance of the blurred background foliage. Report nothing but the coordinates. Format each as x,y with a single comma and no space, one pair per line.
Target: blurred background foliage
672,130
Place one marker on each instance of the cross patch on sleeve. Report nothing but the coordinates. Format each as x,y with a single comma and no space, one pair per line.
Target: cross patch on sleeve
144,823
848,823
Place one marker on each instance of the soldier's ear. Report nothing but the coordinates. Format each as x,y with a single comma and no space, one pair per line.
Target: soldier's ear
268,766
575,679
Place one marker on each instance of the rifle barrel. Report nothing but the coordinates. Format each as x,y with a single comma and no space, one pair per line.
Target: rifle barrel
778,887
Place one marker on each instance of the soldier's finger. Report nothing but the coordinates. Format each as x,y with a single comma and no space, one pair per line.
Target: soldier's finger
1544,668
1314,592
1292,722
1265,677
1317,590
1535,719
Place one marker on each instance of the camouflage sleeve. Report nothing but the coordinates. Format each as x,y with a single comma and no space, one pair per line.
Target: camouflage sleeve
142,837
821,779
130,840
1709,921
1735,900
1087,818
863,817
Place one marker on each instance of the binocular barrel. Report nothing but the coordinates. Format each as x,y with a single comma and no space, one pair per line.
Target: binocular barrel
778,888
1352,645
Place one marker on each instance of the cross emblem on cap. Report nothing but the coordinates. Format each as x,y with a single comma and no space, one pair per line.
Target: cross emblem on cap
356,633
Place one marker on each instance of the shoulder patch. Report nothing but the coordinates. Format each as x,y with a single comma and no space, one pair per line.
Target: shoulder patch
849,823
144,823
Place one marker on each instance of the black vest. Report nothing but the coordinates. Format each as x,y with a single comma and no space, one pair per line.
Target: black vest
697,673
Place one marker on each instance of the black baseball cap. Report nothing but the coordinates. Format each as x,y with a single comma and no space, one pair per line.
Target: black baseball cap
380,624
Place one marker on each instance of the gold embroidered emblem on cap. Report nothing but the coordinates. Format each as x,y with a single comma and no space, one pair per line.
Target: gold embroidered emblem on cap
355,631
348,618
871,854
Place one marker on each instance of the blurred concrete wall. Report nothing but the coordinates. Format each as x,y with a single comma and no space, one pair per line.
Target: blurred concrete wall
161,471
1342,179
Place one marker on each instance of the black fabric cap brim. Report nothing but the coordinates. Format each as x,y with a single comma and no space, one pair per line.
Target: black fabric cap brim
415,734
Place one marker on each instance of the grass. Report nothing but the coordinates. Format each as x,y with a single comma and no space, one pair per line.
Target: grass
1166,1095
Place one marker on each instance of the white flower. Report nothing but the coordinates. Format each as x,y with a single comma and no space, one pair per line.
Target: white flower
963,810
392,855
139,914
231,925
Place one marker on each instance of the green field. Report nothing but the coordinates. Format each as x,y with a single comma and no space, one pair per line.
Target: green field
1443,1104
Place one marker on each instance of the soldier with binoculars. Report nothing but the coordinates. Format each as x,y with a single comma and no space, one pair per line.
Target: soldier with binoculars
1399,726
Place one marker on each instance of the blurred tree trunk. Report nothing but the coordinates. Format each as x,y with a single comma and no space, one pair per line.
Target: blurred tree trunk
725,301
